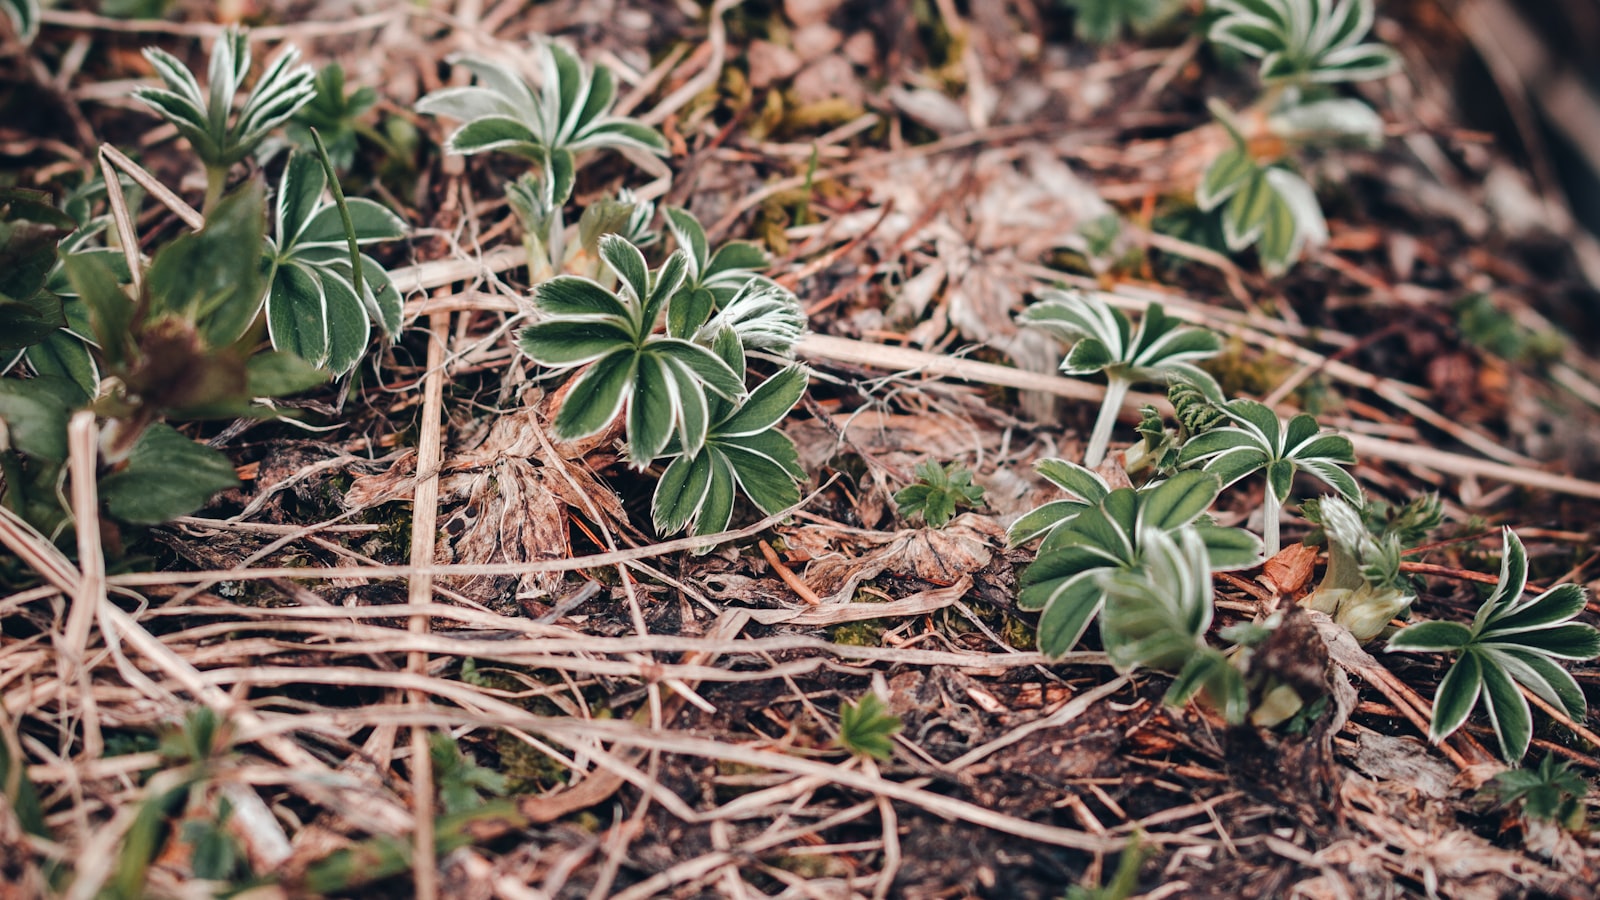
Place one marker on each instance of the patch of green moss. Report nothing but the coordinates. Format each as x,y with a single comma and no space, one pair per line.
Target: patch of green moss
527,770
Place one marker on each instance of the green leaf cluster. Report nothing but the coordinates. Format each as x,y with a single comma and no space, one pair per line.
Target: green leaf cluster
30,232
1065,582
182,347
938,492
1157,614
1304,41
866,728
1102,339
333,114
1512,641
1553,792
317,308
1258,442
206,118
680,389
567,115
1265,205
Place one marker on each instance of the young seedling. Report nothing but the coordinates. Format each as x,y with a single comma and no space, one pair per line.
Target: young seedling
1103,340
317,308
1064,582
1363,588
1267,204
1510,642
204,118
1258,442
1197,409
569,114
662,380
1304,41
463,784
867,729
938,492
1302,44
1553,792
1157,615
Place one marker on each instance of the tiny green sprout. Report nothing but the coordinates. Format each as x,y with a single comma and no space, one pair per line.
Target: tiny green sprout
1553,792
867,729
462,782
1124,882
938,492
203,117
1161,349
1363,588
1510,642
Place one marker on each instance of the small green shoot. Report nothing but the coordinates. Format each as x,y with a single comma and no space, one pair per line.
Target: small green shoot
1511,642
867,729
1124,882
1363,588
1258,442
1304,41
568,115
1103,340
463,784
204,117
1553,792
938,492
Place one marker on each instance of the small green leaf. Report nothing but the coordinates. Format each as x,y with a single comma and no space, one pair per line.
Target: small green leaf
866,728
212,277
35,414
166,475
282,374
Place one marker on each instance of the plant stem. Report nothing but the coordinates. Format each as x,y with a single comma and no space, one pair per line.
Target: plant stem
1271,509
1100,438
216,180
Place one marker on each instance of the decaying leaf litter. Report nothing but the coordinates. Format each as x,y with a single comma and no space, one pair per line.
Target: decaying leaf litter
662,720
